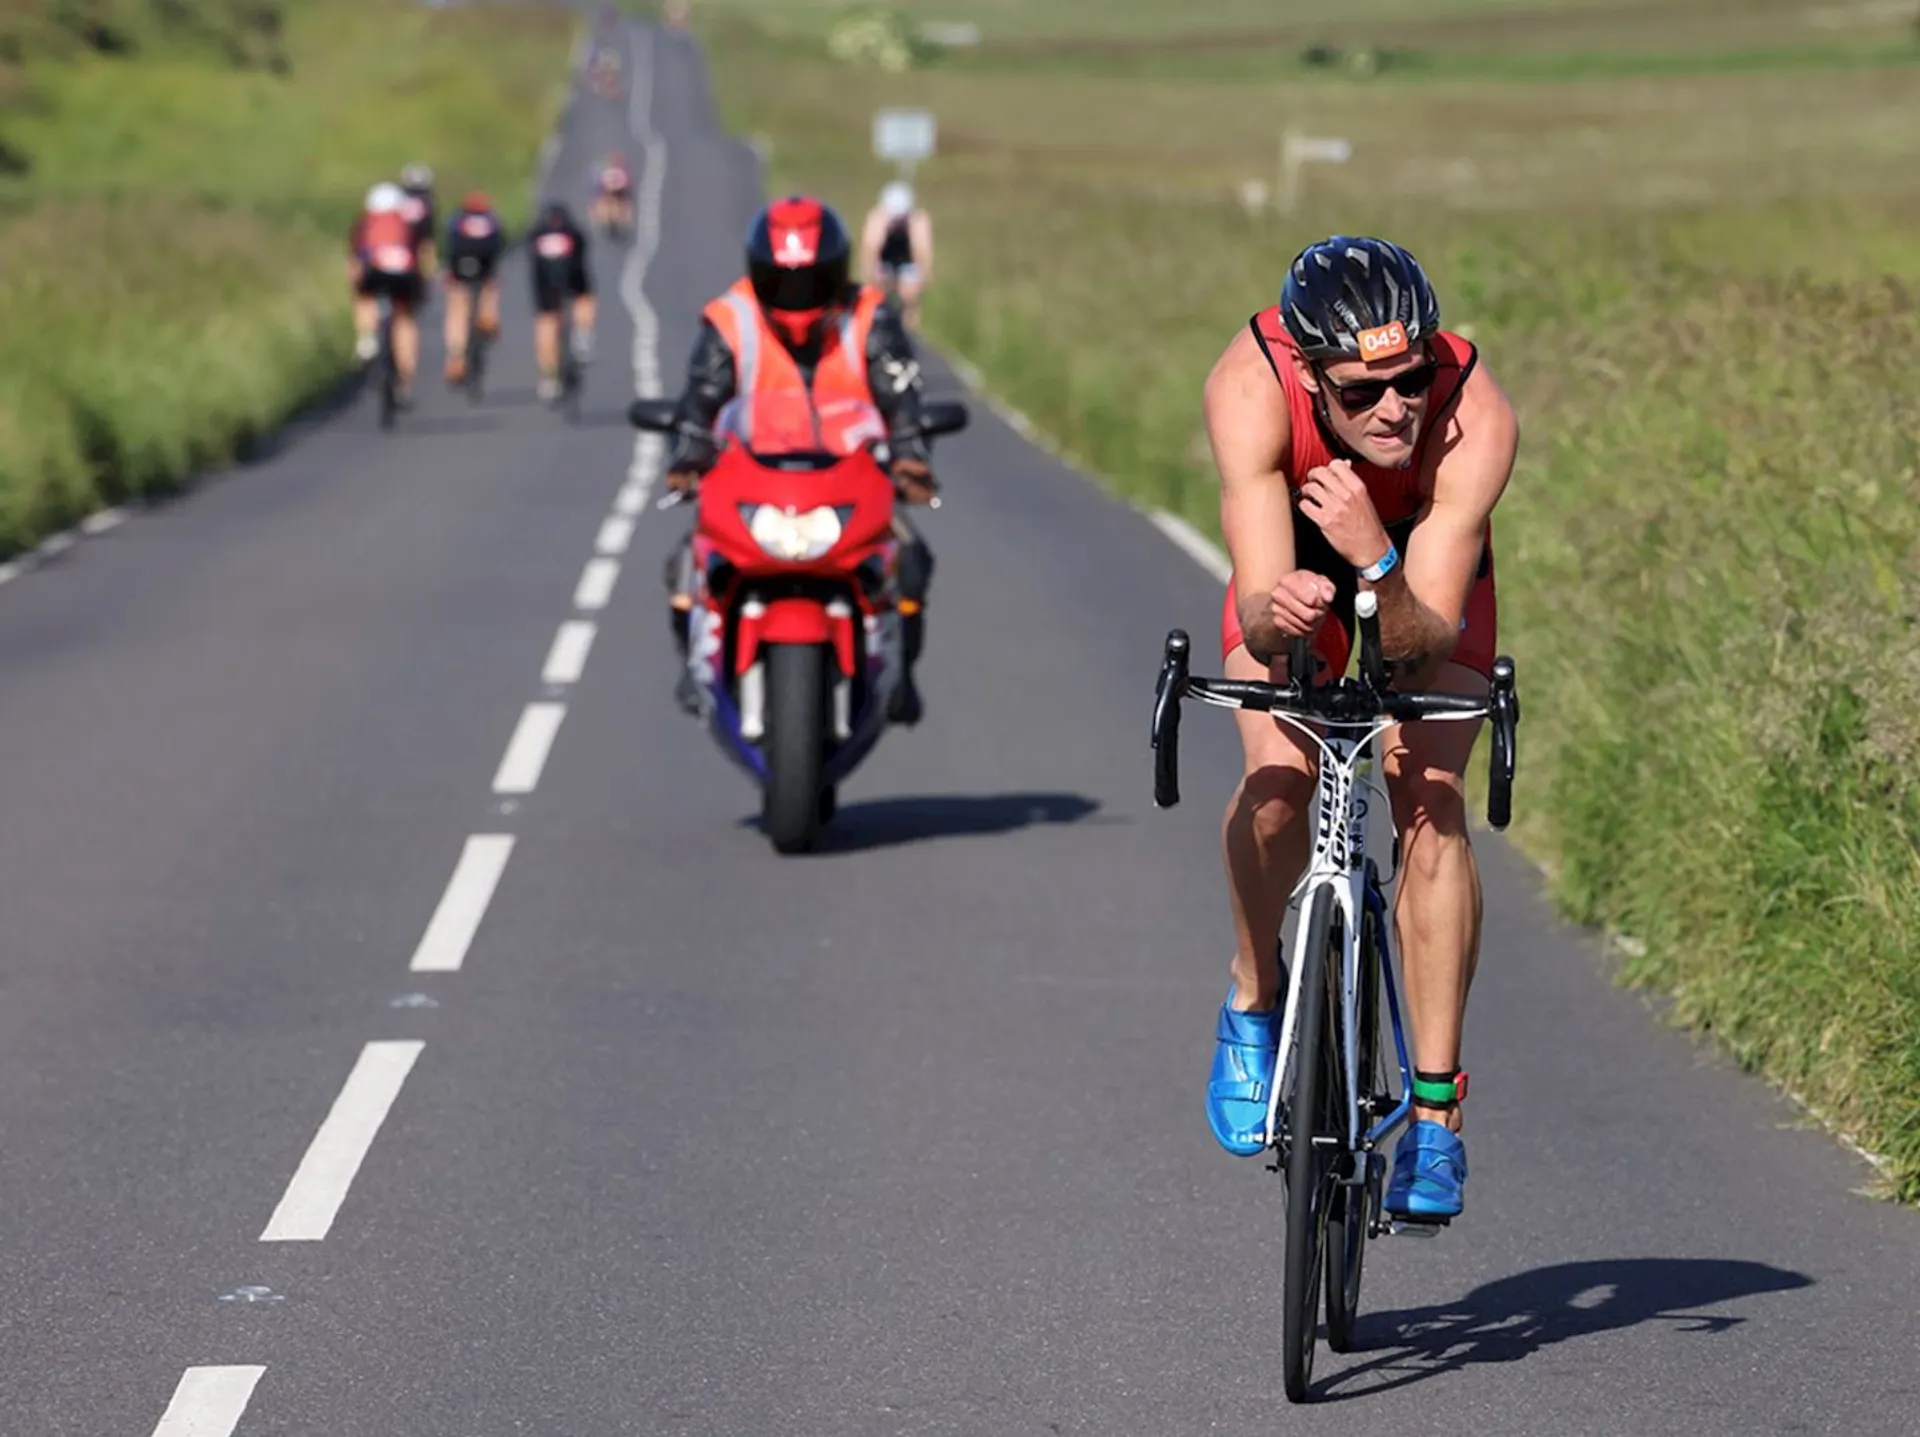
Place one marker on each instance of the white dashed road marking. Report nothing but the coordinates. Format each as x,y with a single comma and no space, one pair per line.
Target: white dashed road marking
320,1185
596,584
567,659
443,947
527,751
209,1402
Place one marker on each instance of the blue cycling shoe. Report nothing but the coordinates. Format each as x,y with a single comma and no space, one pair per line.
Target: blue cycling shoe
1429,1173
1242,1079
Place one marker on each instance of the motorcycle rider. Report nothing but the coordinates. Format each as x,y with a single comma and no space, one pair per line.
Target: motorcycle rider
797,319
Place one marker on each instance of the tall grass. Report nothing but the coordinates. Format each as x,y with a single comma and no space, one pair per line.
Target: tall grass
1710,554
174,233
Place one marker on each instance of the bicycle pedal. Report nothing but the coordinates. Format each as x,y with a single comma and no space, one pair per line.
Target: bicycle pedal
1416,1226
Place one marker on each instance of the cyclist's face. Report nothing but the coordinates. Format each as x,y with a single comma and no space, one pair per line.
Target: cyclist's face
1377,419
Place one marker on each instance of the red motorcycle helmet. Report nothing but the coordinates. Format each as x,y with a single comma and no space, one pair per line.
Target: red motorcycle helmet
799,258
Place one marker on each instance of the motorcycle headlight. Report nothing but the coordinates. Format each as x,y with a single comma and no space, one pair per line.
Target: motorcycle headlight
795,537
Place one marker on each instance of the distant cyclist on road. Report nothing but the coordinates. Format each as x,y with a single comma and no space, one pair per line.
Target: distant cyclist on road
416,182
1359,445
613,195
475,238
896,249
562,283
383,263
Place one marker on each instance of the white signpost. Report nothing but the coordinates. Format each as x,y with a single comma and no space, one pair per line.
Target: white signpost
1297,150
904,137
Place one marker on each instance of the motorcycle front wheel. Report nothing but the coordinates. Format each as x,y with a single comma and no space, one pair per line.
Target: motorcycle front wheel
795,745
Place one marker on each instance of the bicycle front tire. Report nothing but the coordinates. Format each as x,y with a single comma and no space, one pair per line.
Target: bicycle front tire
1351,1214
1310,1164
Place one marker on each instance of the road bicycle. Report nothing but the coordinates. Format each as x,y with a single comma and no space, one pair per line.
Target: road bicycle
1332,1105
386,369
474,380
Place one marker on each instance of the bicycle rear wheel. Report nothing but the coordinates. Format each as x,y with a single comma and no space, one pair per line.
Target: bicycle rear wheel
389,371
1314,1137
1351,1213
476,347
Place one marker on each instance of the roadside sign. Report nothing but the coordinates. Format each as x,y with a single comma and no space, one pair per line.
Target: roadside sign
1297,150
1328,151
905,137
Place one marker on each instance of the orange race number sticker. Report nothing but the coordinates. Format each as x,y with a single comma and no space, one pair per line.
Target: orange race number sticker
1384,342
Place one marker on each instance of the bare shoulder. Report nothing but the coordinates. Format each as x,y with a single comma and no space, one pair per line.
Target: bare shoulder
1482,438
1247,419
1240,387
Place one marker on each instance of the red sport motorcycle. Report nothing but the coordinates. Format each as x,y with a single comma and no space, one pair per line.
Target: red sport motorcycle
794,635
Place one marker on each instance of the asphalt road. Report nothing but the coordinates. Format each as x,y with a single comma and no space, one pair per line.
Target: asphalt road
905,1137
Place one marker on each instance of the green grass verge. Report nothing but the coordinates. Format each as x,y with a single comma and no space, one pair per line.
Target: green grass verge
1710,555
174,214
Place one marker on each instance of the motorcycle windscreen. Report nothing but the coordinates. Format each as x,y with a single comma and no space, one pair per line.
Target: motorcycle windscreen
781,423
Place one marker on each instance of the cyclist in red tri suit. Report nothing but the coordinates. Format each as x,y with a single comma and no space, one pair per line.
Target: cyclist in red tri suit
1358,445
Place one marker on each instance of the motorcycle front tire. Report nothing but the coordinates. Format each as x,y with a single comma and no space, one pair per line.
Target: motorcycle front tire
795,744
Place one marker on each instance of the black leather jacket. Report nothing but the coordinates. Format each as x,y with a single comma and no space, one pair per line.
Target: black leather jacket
893,374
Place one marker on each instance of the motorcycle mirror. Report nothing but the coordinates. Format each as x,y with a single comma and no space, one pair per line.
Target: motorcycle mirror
943,416
654,414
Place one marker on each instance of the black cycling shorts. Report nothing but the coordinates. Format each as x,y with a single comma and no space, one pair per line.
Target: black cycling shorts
477,267
404,289
552,290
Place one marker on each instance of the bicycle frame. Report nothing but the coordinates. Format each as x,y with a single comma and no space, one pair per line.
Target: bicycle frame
1353,716
1339,862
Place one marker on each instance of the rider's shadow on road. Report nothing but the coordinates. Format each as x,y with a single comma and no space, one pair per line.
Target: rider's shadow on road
886,822
1515,1317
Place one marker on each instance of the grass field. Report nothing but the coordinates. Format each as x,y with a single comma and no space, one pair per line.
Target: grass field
1696,278
174,201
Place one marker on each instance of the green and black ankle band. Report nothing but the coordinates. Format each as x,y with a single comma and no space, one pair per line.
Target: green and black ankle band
1439,1090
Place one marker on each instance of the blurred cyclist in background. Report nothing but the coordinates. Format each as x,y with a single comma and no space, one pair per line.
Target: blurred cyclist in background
896,249
475,238
558,253
416,183
613,195
383,263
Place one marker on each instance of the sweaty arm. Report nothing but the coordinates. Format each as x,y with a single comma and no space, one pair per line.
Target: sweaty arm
1422,600
1251,434
893,374
711,381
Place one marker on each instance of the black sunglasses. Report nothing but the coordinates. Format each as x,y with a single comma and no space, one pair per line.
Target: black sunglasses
1363,394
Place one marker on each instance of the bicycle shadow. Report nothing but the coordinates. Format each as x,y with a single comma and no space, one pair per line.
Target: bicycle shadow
1515,1317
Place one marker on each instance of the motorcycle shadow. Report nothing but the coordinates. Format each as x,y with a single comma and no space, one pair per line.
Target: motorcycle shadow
892,822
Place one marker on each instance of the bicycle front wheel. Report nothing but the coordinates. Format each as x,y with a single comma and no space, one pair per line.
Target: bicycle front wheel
1351,1212
1314,1138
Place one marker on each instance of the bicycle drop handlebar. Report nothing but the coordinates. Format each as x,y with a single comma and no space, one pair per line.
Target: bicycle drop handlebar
1349,703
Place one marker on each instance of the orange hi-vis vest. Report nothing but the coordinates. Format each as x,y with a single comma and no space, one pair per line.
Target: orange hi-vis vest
762,363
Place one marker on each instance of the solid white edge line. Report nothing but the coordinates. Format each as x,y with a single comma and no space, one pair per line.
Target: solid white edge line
527,750
1191,542
567,659
649,449
209,1402
456,918
616,532
313,1198
596,584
